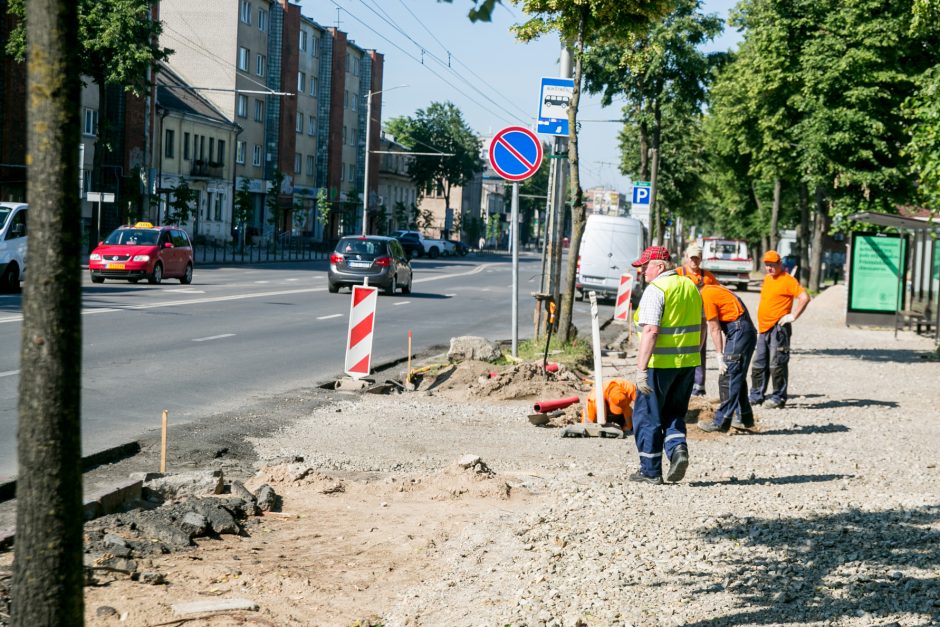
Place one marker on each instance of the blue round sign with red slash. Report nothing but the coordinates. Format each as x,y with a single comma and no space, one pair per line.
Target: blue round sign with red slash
515,153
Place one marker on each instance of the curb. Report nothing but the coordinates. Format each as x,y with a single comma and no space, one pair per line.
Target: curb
89,462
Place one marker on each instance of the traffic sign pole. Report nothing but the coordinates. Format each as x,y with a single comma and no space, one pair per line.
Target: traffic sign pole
514,216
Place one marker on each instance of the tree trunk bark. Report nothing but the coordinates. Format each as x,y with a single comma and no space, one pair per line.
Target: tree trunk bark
820,224
802,237
578,218
657,136
644,152
47,570
775,213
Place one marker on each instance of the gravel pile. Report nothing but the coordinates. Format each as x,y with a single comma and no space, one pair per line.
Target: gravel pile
829,515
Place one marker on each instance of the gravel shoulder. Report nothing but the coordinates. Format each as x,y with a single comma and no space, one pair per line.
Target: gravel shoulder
828,514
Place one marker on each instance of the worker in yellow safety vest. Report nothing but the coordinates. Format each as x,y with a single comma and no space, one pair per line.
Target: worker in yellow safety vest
671,329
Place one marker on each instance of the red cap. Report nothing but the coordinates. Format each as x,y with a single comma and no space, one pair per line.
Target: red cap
652,253
771,256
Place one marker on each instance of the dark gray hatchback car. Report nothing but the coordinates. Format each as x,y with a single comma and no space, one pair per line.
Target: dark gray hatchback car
381,259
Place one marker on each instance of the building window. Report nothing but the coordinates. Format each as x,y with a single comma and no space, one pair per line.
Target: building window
352,172
256,155
346,99
344,135
245,13
303,40
314,83
259,110
221,155
311,165
316,47
218,206
186,146
90,125
298,162
243,55
312,125
354,102
262,19
300,123
168,148
342,173
240,152
241,106
260,63
301,82
211,148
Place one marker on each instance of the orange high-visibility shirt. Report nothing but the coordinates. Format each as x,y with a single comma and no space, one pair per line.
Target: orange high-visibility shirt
776,299
719,302
700,280
619,395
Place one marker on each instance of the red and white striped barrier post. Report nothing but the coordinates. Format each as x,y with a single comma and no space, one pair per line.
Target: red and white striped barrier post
624,306
361,330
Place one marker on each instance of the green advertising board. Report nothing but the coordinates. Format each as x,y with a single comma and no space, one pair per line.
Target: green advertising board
877,261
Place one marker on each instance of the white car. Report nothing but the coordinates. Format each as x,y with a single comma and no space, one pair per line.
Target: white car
12,245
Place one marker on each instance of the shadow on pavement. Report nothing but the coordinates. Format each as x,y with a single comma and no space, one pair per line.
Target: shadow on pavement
898,355
847,402
770,480
834,568
806,430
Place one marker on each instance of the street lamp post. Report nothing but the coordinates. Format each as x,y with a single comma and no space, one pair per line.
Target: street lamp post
365,181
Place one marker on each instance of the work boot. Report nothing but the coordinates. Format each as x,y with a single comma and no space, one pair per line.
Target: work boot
641,478
774,404
678,462
698,390
742,426
710,427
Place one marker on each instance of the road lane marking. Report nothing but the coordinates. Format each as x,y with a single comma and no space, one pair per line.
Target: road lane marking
328,317
261,282
404,302
289,280
449,295
233,297
486,289
213,337
9,373
189,291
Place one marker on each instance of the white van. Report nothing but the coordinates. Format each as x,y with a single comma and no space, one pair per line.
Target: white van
12,245
608,247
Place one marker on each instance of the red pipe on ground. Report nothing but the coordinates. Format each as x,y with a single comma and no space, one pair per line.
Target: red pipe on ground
542,407
551,367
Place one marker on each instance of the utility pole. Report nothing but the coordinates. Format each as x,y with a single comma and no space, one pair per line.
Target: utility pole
365,181
654,210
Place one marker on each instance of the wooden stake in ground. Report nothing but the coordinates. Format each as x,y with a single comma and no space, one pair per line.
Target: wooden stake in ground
163,441
408,376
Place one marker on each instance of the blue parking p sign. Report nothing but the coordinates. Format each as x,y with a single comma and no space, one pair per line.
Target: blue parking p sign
641,193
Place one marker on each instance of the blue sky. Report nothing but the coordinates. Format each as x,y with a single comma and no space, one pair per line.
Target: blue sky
492,78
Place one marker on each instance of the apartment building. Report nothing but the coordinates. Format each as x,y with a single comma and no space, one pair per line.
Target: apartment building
193,146
295,90
398,194
605,201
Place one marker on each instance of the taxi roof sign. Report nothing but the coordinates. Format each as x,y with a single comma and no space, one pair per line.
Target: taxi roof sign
143,225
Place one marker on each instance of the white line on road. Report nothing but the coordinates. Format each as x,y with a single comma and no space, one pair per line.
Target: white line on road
213,337
9,373
330,316
289,280
485,289
260,282
189,291
404,302
449,295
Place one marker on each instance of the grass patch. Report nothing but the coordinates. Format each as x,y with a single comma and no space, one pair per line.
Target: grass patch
576,353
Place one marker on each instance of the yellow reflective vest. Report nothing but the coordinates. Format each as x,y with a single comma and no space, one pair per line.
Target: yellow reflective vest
680,330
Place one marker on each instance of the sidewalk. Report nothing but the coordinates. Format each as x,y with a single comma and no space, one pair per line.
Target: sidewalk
828,515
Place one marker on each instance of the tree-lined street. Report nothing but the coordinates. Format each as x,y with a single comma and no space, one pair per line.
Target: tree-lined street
238,333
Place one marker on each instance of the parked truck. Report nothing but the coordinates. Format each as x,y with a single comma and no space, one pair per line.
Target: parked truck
728,260
430,247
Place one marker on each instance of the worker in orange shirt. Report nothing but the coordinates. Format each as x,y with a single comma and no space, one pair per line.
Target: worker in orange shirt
775,315
734,337
692,268
619,395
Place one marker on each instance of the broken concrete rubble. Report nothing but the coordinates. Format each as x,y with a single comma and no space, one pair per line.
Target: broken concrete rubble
164,487
472,347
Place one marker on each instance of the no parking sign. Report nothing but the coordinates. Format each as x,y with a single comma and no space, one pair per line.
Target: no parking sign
515,153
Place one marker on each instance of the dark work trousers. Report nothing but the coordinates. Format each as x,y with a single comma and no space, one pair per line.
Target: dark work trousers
659,417
698,388
740,339
770,364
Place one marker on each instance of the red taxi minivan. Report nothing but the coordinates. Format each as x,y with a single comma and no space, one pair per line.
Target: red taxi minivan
143,251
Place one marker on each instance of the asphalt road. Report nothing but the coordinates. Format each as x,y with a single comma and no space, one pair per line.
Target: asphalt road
238,334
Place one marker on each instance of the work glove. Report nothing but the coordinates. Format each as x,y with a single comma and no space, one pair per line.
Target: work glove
722,366
787,319
642,385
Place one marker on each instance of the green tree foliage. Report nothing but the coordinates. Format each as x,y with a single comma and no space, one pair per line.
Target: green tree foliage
482,10
440,127
181,206
584,23
663,75
531,200
272,200
922,111
324,207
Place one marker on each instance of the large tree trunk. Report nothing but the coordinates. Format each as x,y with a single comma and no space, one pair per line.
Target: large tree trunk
802,236
657,216
775,213
47,579
644,152
578,218
820,224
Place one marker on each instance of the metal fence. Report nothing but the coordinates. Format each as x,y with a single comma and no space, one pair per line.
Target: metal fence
276,250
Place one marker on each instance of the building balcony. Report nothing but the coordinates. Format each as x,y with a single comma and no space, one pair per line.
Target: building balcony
207,170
